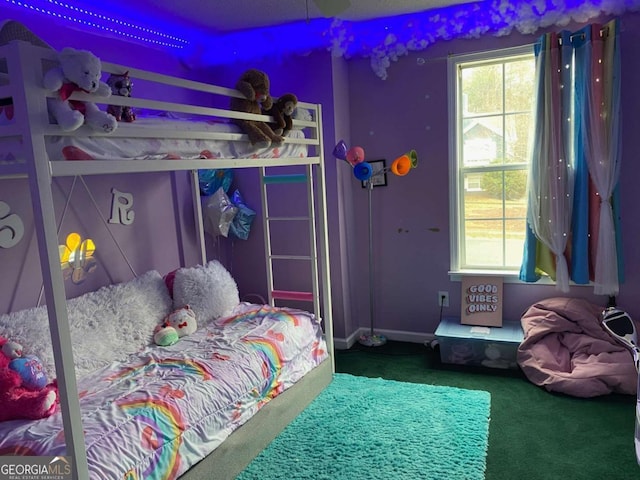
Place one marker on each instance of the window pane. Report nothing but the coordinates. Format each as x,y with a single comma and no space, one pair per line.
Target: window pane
515,233
482,89
518,129
518,78
482,141
484,243
485,201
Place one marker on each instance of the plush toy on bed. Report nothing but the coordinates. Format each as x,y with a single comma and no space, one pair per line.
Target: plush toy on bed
282,113
121,85
254,85
178,323
24,390
79,70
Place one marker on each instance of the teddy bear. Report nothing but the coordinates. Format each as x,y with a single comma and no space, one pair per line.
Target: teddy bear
282,113
177,324
254,85
121,85
78,70
24,390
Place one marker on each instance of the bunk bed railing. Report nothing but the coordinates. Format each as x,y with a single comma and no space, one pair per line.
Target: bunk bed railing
199,101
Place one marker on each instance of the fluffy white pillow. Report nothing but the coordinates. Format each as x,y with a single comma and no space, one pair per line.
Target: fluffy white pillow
210,290
106,325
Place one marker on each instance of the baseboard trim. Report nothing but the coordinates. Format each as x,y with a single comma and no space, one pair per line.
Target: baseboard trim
395,335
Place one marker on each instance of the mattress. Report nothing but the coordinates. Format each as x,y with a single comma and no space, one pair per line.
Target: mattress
76,147
165,409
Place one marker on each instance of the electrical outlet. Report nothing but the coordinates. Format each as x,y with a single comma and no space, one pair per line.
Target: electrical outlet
443,299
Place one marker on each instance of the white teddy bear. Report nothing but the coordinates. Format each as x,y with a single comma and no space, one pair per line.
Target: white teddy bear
79,70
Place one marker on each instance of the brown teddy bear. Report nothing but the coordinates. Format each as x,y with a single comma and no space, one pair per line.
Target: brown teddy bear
282,112
254,85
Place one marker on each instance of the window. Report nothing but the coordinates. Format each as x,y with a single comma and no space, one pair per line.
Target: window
490,110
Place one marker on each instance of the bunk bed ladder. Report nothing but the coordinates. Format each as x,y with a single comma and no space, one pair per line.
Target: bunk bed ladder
288,295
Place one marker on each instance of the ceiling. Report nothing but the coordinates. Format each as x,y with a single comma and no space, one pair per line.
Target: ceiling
220,16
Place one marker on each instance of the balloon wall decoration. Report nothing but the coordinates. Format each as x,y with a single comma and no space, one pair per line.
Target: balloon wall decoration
363,171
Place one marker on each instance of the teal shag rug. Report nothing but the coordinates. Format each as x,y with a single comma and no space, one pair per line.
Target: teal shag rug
372,428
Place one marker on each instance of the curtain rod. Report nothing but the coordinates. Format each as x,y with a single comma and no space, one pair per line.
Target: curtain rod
604,32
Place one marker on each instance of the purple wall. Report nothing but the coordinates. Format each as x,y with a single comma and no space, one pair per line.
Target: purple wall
411,214
411,220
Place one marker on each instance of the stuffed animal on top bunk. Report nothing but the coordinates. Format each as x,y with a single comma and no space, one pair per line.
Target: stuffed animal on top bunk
79,71
24,390
177,324
254,85
121,85
282,113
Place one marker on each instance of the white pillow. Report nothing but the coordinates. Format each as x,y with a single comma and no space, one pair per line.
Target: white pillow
106,325
209,290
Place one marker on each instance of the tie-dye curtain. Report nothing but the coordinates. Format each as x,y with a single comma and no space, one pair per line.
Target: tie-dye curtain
586,113
550,189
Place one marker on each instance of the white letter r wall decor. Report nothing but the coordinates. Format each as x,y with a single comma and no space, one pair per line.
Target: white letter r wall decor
121,207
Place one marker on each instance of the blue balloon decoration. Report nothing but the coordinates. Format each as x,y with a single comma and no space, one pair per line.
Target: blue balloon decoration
363,171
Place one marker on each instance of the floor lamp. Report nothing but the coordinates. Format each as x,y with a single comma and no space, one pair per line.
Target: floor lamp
363,171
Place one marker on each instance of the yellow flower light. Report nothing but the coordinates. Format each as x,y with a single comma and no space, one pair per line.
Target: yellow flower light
76,258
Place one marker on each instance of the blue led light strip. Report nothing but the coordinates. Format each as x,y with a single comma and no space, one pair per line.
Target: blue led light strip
165,39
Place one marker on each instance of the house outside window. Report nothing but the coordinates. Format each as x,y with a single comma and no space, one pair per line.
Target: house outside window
490,111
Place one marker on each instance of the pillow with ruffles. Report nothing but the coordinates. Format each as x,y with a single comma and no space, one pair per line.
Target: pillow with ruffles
106,325
209,290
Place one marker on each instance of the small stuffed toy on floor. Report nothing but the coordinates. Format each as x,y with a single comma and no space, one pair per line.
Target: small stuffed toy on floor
79,70
121,85
177,324
254,85
24,389
282,113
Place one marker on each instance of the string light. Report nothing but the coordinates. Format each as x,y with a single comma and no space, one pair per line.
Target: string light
115,26
383,41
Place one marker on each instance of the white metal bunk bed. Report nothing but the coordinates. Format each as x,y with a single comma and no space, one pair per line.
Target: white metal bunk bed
24,63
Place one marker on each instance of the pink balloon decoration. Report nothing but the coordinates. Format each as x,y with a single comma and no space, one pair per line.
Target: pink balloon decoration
355,155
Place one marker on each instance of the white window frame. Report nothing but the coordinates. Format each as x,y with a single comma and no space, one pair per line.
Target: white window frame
455,147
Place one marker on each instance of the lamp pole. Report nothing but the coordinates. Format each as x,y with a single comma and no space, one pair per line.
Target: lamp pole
371,340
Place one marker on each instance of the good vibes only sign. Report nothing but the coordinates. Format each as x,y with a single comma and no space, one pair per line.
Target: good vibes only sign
481,301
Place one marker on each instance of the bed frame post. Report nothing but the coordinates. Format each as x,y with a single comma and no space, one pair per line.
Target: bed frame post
30,103
323,240
197,212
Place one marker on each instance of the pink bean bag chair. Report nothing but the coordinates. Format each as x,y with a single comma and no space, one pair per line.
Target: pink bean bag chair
565,349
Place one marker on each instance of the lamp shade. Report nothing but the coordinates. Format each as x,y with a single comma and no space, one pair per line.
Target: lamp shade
363,171
401,166
404,163
355,155
340,150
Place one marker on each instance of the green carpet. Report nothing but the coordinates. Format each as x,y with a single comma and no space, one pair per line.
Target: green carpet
371,428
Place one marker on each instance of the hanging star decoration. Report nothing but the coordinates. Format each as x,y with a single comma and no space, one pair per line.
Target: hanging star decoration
76,258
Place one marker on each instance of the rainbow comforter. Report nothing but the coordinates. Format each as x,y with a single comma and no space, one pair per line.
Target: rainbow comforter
168,407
